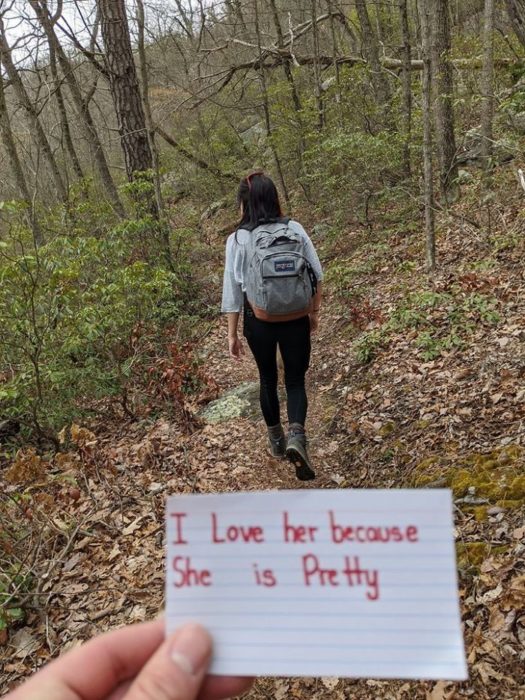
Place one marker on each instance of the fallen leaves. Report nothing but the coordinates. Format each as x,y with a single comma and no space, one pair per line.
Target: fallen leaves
369,426
24,643
439,692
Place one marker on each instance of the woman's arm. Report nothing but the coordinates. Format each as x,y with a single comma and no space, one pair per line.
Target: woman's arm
232,301
233,323
235,347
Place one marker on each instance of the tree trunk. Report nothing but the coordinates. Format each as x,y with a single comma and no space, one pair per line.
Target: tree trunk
202,164
62,111
443,85
32,113
286,65
335,51
16,166
163,228
235,12
487,84
407,85
266,107
317,70
384,22
294,93
124,87
371,52
516,11
145,99
425,19
81,105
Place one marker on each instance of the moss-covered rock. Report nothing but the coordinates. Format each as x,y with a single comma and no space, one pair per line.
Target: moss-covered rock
497,476
471,555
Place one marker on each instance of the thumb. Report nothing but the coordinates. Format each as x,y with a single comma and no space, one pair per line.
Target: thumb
176,671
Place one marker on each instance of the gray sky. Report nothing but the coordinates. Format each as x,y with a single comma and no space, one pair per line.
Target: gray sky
21,25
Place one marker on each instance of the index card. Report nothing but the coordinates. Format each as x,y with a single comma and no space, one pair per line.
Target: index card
348,583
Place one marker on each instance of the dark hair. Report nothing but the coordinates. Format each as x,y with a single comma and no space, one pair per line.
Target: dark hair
260,200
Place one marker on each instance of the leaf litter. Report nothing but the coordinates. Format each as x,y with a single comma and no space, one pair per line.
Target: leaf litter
94,514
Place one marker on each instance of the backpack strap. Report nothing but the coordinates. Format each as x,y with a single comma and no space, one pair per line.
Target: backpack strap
261,222
312,276
284,232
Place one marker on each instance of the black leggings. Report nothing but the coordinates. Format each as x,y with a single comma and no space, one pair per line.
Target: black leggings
293,339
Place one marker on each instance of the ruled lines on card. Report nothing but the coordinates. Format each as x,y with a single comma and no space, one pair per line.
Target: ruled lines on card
347,583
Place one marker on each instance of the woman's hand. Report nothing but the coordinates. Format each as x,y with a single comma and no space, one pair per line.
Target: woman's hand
314,322
135,663
235,347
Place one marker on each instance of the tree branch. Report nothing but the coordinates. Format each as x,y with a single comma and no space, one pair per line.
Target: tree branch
192,157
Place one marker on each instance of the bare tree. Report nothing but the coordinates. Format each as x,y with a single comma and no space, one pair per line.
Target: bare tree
16,166
124,86
371,52
31,110
516,12
61,106
141,23
425,19
81,104
294,91
487,83
443,84
287,63
316,65
407,85
266,106
235,11
335,51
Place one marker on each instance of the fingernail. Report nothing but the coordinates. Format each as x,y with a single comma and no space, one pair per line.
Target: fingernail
191,649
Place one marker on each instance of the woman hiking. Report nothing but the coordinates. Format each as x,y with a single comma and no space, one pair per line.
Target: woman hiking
273,274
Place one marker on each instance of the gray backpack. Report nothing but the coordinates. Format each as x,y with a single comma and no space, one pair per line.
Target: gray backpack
280,280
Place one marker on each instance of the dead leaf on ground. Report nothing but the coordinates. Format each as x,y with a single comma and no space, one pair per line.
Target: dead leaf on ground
439,691
24,643
281,689
330,683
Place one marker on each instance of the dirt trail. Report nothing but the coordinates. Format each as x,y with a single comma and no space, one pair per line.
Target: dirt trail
246,439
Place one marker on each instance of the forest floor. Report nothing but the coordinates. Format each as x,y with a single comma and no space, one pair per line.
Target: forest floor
415,380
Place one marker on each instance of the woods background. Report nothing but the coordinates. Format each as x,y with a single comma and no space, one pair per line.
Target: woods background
395,132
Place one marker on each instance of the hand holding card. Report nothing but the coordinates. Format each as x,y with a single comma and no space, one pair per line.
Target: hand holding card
318,583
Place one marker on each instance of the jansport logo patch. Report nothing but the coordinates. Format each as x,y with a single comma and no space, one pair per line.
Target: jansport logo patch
284,266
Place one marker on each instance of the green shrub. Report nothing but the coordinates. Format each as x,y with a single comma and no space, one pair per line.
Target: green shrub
82,318
367,345
351,172
444,322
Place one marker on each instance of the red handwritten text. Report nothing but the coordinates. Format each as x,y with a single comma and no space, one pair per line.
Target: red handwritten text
186,575
372,533
265,577
236,533
351,573
178,524
297,533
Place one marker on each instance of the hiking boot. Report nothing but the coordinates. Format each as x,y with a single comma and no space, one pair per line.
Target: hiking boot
277,441
297,453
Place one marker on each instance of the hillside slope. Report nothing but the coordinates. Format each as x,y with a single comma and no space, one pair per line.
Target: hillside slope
416,380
